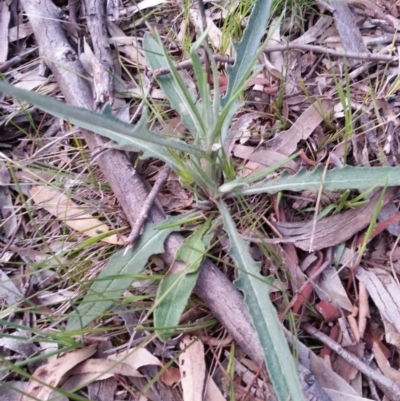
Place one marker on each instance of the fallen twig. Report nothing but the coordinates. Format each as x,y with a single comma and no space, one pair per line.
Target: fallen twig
391,389
187,64
147,205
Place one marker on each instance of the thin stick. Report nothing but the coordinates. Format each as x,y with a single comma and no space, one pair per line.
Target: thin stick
16,60
142,103
148,203
391,389
187,64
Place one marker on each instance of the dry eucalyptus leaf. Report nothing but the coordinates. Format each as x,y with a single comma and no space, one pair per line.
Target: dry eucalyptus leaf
277,58
384,365
286,142
136,357
19,32
19,342
392,336
384,291
59,205
193,368
31,80
142,6
214,33
54,374
101,368
265,157
332,230
314,32
336,387
330,288
127,44
345,369
212,392
9,293
337,395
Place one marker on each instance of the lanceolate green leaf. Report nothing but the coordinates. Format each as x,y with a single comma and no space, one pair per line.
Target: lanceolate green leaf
182,99
113,279
247,48
177,285
126,135
277,356
336,179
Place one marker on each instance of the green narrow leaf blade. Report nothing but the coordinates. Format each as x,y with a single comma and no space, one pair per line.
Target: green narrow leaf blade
182,99
246,49
114,278
278,359
104,124
176,287
336,179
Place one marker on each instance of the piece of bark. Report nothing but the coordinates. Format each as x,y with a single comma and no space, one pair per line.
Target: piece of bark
218,293
332,230
348,30
103,65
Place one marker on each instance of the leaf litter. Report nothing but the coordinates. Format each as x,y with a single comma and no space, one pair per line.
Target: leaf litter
299,91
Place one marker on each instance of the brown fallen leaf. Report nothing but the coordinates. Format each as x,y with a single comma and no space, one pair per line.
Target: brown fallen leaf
45,378
171,376
392,335
193,368
304,293
136,358
101,390
104,368
20,31
330,288
220,342
286,142
266,157
59,205
332,230
363,313
383,290
127,45
211,391
384,364
345,369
